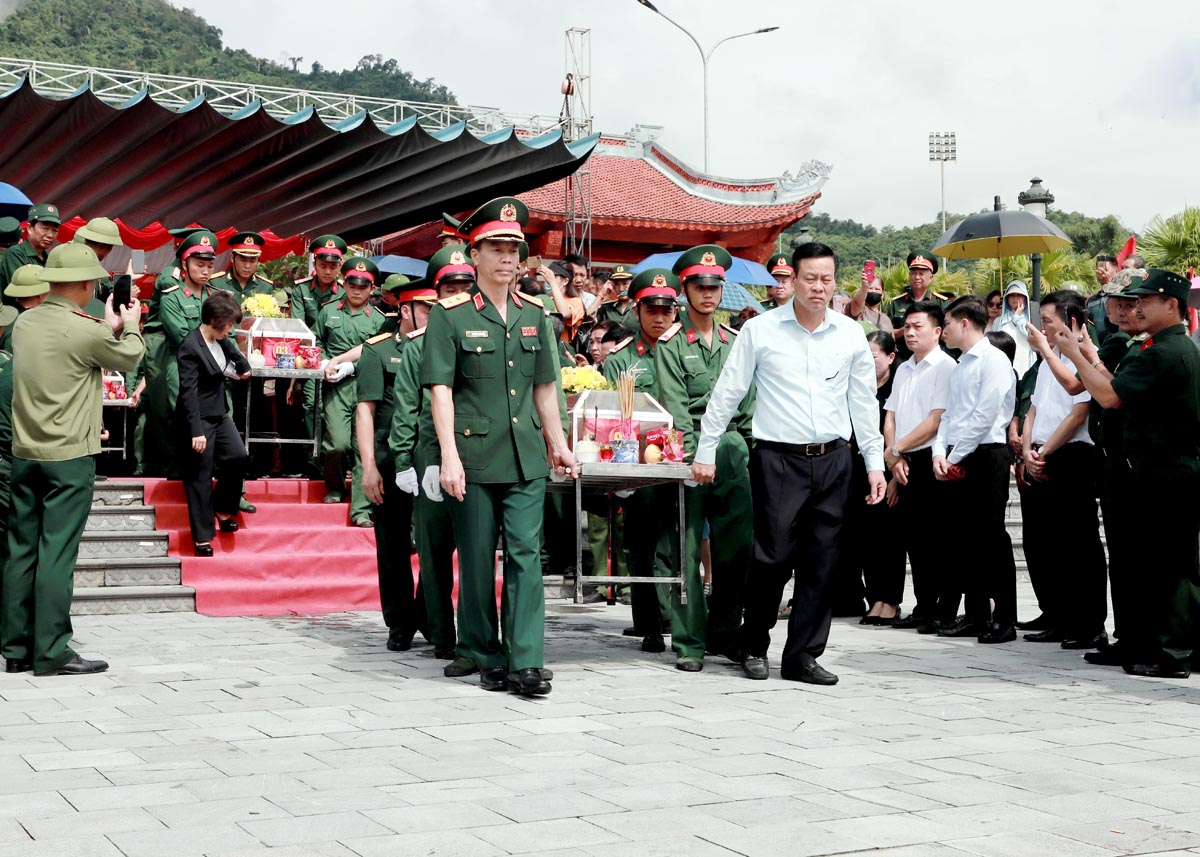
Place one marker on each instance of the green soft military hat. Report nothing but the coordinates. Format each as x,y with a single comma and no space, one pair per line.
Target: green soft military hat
655,287
44,212
247,244
360,271
101,230
620,273
780,264
10,231
72,263
198,244
502,219
330,248
449,263
1167,284
25,283
705,265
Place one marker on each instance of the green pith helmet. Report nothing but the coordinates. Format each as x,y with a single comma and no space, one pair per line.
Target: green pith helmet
26,283
72,263
101,230
655,287
501,219
705,264
450,263
395,281
360,271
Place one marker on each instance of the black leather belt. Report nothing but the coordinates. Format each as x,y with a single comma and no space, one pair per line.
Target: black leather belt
808,449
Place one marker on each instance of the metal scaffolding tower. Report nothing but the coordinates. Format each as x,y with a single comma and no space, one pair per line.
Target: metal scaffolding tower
576,122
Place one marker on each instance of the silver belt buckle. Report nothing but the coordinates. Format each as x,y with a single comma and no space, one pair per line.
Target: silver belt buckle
811,449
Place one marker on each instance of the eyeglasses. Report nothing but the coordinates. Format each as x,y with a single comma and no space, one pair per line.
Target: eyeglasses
994,303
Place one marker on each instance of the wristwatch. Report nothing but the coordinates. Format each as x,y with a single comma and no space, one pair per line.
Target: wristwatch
896,451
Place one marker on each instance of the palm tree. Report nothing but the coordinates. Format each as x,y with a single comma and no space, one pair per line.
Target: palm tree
1174,243
1061,269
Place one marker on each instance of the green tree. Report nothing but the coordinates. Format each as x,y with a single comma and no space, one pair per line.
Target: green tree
1061,269
1174,243
1090,236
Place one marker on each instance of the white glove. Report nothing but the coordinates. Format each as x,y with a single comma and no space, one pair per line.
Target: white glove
688,483
343,370
406,481
431,482
624,494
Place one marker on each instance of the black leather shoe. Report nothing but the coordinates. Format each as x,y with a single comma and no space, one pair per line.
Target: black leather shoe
203,550
443,654
689,665
227,525
1157,671
997,633
11,666
810,673
400,641
1050,635
494,678
631,632
932,626
756,668
961,628
460,667
246,506
1041,623
528,682
870,620
910,621
1112,655
654,643
1099,641
77,666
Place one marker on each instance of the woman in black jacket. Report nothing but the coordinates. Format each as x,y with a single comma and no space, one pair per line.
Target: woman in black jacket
207,433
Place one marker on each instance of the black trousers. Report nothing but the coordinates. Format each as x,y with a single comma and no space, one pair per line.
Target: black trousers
871,561
1062,543
800,502
979,546
403,609
224,453
920,502
1117,501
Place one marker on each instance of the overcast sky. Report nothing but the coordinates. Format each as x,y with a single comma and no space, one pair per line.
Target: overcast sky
1099,99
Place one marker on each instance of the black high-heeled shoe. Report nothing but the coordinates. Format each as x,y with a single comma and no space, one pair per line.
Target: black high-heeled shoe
227,525
204,550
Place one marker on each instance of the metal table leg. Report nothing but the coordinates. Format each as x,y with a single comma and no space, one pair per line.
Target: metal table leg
578,541
682,550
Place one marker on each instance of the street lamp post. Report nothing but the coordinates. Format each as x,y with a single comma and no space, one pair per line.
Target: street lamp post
1036,200
943,146
704,58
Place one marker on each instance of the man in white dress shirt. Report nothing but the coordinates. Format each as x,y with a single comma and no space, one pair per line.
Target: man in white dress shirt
971,455
920,393
816,384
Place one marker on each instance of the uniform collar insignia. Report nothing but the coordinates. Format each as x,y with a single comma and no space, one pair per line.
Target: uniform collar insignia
692,337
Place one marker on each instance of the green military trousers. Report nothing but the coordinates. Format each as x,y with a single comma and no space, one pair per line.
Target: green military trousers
598,532
5,512
162,389
487,508
726,505
435,551
50,505
338,404
652,539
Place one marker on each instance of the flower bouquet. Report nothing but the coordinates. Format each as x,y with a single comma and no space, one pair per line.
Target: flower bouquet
261,306
576,379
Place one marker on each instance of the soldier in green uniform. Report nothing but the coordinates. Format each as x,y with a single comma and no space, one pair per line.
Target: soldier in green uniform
413,445
26,290
780,267
620,309
921,268
56,434
689,359
312,293
1160,394
391,491
490,366
102,235
8,316
10,234
342,325
44,220
649,543
450,232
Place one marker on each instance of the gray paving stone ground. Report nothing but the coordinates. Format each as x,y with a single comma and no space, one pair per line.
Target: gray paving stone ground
303,736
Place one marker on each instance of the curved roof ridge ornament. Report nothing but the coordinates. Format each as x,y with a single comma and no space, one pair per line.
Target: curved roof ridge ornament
809,179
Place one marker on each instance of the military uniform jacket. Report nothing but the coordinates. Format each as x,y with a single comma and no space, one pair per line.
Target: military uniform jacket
634,352
492,368
6,390
1107,425
899,305
179,314
687,372
340,328
167,277
1160,393
768,305
7,335
227,282
308,299
56,383
18,255
376,375
611,311
412,418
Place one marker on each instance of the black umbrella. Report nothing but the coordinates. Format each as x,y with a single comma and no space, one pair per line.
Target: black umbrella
996,234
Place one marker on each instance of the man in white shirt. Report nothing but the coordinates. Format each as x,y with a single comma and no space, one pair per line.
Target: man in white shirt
920,393
971,456
815,379
1060,527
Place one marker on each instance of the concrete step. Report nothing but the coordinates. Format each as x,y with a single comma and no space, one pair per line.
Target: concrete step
106,518
112,492
90,600
127,571
117,544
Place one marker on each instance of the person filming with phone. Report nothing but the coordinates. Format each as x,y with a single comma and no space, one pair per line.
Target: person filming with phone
867,304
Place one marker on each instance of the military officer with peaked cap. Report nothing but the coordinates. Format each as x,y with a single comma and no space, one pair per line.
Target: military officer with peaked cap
44,220
620,308
490,365
242,279
56,436
309,295
780,267
689,359
450,232
413,445
921,269
649,539
1160,395
26,290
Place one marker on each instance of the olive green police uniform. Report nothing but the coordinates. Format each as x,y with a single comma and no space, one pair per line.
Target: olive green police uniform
56,434
340,328
23,252
688,368
1160,394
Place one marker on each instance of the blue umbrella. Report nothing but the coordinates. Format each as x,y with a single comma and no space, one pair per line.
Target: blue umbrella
400,265
742,272
13,203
